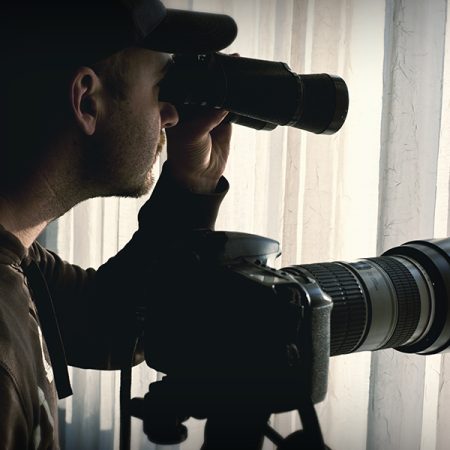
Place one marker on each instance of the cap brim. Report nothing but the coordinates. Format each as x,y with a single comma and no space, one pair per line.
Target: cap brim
192,32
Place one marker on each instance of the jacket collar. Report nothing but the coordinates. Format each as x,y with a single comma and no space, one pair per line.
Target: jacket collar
12,251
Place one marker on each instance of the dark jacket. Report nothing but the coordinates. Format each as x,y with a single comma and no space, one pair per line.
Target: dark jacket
95,310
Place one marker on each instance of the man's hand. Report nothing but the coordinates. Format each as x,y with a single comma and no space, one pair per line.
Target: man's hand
198,148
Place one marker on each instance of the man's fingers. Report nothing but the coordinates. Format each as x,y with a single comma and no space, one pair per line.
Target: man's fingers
210,119
198,122
221,135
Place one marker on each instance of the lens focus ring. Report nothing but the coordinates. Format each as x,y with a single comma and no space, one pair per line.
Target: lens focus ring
349,315
408,299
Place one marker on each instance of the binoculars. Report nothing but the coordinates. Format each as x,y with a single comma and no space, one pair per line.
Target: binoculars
259,94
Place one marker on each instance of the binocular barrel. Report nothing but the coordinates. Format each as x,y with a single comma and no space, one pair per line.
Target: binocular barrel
259,94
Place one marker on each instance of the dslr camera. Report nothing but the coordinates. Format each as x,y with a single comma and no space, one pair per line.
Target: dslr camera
238,339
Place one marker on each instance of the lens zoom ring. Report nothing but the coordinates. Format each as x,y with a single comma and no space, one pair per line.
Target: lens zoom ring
408,299
349,314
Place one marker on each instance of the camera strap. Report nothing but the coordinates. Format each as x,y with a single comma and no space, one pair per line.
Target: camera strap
47,318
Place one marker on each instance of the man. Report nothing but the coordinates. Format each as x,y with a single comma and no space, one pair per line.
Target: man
81,118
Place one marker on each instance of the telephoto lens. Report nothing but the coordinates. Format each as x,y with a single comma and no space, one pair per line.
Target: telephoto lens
259,94
399,300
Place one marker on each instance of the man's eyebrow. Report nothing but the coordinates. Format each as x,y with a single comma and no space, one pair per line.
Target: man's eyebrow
166,67
163,71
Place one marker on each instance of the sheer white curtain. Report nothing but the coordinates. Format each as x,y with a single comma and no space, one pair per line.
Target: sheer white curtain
379,182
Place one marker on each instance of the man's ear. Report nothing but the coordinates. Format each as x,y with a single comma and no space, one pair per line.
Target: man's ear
85,91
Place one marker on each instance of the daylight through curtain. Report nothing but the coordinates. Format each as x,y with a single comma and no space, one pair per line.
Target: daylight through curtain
379,182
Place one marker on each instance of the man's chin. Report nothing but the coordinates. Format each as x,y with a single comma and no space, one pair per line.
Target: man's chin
143,189
136,190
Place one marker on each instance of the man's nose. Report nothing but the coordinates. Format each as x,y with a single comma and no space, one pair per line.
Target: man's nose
169,115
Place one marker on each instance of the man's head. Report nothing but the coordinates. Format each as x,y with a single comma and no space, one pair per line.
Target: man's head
119,119
87,72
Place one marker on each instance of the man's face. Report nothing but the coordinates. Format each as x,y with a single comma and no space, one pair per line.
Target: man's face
125,146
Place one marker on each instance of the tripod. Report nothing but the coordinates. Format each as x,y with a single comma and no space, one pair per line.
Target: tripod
233,422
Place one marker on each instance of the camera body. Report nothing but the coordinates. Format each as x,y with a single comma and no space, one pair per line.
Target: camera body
227,323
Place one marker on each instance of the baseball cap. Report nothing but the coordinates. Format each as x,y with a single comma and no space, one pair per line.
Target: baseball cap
86,31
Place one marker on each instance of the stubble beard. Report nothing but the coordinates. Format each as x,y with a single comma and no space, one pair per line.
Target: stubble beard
150,178
124,155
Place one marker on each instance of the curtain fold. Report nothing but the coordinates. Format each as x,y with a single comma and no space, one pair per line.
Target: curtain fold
382,180
411,121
